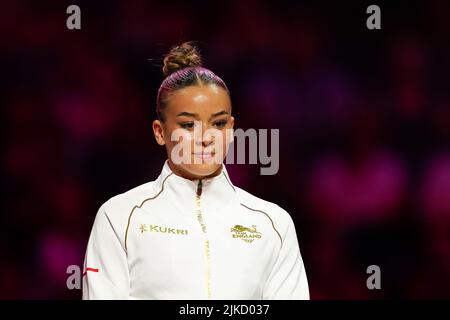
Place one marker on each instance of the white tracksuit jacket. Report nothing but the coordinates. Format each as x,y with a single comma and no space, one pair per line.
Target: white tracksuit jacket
175,238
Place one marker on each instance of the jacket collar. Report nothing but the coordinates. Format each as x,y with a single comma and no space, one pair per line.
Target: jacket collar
216,192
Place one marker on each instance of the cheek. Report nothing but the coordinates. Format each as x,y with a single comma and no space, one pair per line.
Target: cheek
179,136
223,140
227,137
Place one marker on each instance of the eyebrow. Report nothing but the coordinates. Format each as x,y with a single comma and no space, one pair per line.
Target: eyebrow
195,115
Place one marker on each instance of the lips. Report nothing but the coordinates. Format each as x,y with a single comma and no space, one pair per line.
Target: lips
204,155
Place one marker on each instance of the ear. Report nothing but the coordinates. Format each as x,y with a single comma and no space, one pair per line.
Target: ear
158,131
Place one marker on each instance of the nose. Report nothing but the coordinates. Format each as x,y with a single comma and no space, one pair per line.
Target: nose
207,142
204,141
204,137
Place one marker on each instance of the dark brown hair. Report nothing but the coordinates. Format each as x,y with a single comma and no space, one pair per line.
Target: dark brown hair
183,68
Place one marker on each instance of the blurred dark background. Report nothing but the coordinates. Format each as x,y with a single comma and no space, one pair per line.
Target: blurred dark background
364,119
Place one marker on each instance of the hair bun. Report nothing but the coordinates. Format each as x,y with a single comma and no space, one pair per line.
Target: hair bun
181,56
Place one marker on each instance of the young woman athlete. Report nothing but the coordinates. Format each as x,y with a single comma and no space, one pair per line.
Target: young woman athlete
191,233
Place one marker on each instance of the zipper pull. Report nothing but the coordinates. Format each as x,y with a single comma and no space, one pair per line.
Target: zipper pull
199,188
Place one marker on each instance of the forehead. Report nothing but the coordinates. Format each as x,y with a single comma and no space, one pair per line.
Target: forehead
199,99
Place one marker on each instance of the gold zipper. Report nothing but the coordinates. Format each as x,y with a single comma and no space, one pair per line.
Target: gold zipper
206,241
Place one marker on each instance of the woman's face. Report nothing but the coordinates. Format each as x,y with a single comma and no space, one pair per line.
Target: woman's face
197,130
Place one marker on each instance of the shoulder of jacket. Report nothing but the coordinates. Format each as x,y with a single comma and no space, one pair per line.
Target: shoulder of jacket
119,207
279,215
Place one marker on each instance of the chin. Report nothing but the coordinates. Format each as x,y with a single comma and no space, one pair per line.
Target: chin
203,169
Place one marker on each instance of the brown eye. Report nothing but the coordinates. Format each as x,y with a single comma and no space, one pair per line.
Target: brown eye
221,123
187,125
